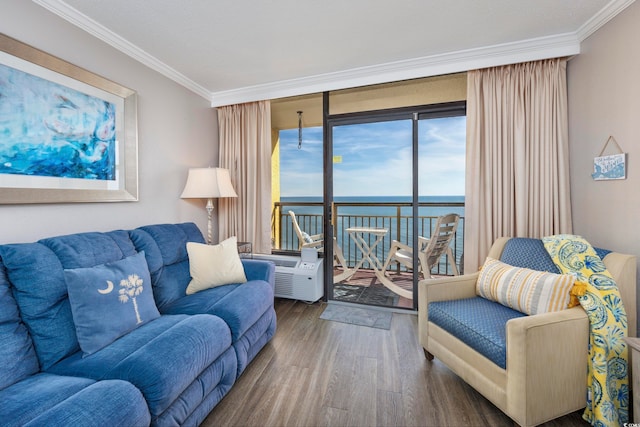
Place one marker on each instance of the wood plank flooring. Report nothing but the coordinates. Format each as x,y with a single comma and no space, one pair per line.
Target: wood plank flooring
316,372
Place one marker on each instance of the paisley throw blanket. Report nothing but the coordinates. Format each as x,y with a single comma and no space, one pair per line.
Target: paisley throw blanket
607,375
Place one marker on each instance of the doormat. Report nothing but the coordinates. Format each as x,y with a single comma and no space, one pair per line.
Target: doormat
357,316
375,294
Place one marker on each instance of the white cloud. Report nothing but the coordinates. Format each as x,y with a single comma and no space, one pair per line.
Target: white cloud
377,159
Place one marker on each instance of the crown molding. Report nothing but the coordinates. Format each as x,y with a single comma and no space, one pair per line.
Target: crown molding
606,14
92,27
509,53
453,62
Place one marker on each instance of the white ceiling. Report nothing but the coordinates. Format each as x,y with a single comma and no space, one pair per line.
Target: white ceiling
232,51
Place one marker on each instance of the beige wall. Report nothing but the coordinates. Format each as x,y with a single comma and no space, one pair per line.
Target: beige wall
177,129
604,99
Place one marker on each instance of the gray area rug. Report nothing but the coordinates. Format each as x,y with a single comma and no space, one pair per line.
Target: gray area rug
357,316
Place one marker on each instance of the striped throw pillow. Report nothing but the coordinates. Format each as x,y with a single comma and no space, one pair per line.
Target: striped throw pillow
525,290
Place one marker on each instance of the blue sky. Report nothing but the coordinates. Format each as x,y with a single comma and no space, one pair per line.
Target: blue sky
375,159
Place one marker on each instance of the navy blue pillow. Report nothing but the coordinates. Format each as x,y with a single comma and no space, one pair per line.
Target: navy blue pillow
110,300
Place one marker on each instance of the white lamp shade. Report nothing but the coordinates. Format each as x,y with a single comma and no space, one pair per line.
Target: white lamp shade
208,183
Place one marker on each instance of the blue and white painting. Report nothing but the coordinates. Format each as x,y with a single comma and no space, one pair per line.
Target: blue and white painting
50,130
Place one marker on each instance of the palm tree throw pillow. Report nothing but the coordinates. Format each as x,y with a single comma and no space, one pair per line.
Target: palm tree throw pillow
110,300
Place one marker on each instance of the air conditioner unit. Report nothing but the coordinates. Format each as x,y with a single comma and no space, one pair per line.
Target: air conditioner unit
297,278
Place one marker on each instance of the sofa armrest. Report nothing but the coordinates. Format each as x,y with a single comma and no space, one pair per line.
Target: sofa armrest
257,269
441,289
447,288
546,364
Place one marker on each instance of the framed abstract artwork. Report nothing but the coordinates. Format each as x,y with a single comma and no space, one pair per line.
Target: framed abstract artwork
66,134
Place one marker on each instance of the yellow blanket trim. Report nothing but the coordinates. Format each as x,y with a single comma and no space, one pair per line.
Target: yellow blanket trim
578,290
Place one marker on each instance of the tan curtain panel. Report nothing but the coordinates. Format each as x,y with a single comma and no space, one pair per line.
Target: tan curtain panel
517,181
245,149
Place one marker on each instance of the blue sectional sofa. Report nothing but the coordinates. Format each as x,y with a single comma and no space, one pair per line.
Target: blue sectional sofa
183,355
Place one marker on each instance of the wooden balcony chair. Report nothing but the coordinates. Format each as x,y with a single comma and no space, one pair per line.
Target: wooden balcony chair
317,241
430,250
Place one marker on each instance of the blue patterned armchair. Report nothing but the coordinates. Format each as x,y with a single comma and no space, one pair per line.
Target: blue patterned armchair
532,367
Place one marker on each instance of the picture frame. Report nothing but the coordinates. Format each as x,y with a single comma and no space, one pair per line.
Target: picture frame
67,135
609,167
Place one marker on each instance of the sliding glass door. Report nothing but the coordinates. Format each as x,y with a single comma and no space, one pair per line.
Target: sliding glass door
371,207
386,181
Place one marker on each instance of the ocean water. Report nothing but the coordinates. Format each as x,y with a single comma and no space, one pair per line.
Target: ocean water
398,220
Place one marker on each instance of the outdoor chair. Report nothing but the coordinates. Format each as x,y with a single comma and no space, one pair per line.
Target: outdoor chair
317,241
429,250
304,239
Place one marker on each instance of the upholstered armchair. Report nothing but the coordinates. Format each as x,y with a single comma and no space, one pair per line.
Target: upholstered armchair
544,376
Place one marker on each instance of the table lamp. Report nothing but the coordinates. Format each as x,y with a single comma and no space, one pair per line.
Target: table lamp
208,183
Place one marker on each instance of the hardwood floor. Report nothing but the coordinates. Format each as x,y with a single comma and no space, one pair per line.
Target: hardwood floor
323,373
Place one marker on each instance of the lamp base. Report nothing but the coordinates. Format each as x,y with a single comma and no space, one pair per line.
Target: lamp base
209,208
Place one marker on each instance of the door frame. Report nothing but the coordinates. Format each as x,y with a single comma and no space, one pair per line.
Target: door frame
415,114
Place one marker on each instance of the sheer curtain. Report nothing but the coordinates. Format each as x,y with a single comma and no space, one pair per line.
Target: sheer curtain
245,149
517,181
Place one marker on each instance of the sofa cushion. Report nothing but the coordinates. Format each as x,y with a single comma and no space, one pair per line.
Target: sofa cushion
214,265
165,246
152,357
478,322
530,253
41,294
121,404
239,305
523,289
172,240
36,270
89,249
52,400
110,300
16,351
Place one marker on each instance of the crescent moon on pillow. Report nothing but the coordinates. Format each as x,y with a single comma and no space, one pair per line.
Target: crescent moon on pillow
108,289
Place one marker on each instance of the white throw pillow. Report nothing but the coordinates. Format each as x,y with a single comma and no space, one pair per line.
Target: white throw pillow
214,265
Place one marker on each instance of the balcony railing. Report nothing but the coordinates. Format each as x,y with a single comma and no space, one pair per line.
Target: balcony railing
395,217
